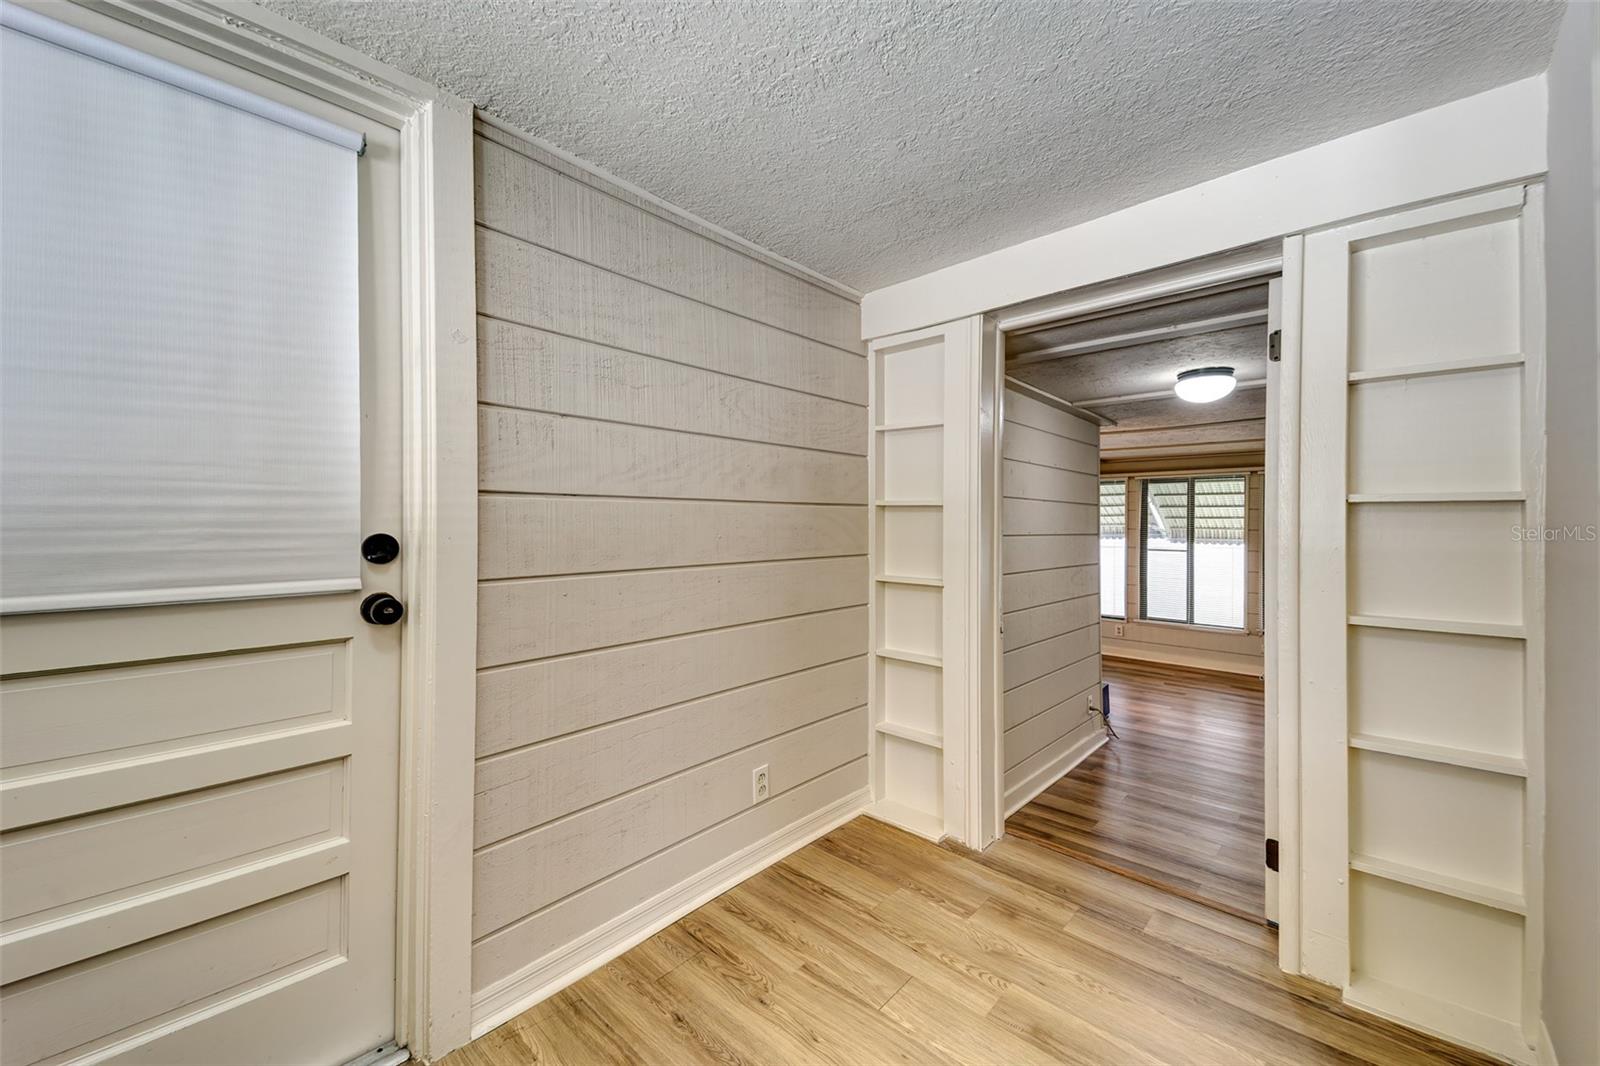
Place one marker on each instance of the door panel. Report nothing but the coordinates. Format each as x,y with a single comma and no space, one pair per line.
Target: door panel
1420,615
199,801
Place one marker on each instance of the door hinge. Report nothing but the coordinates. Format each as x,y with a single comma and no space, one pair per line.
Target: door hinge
1275,346
1272,855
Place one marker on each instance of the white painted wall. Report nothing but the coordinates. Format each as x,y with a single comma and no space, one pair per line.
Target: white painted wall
1049,594
1488,139
672,564
1572,737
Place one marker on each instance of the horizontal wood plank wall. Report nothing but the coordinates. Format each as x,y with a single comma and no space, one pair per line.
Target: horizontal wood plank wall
1050,589
1202,647
672,561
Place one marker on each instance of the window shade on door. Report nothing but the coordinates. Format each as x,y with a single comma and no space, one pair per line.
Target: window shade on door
179,333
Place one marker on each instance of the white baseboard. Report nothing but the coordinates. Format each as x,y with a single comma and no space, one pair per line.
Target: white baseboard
1448,1021
921,823
1545,1053
1193,658
543,977
1018,795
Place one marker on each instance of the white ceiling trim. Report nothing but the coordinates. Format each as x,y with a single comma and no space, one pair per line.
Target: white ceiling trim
1491,139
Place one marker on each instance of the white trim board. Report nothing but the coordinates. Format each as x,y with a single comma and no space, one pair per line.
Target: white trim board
498,1004
1023,792
1493,138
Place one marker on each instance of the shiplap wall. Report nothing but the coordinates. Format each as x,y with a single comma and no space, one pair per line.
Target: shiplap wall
1049,591
1204,647
672,553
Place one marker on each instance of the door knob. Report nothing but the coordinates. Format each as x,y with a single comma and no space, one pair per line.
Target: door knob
382,609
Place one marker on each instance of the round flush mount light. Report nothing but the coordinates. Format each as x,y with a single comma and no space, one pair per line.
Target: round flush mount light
1205,385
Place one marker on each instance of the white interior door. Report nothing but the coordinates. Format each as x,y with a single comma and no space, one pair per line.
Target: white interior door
1421,604
1269,602
198,801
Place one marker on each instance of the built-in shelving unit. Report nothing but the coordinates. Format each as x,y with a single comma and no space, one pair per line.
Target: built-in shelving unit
1422,641
907,612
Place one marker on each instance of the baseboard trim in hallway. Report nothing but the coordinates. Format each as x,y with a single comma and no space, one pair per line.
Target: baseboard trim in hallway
1025,791
499,1003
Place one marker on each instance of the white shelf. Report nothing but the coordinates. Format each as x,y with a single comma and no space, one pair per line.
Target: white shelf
1436,625
909,503
1472,891
916,736
1441,753
1436,497
911,657
908,579
890,427
1427,370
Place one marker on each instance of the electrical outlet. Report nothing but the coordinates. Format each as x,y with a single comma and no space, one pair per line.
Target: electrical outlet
1116,630
760,789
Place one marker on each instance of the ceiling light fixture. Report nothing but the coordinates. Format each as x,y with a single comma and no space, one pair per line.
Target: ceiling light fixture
1205,385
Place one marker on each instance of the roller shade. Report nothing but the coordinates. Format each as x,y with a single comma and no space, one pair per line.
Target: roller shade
179,333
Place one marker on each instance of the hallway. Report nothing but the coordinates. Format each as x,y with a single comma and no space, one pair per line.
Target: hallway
1176,800
871,945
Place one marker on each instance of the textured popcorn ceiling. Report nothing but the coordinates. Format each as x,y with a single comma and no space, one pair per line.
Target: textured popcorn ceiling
875,140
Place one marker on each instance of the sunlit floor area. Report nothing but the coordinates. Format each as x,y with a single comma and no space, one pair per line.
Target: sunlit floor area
871,945
1176,799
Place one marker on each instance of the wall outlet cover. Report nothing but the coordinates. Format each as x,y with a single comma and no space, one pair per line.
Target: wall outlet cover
760,785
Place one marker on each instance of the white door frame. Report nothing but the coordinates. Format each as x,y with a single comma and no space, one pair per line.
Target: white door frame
1281,625
1280,659
439,468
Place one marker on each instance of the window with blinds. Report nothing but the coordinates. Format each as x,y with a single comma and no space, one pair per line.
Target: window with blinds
1114,549
1192,554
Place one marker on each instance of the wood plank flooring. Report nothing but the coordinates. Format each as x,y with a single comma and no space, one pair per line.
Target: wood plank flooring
1176,800
871,945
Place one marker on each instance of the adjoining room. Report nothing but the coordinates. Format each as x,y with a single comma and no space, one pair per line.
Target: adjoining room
1172,791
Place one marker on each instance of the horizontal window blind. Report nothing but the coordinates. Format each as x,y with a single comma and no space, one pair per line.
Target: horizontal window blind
179,333
1113,549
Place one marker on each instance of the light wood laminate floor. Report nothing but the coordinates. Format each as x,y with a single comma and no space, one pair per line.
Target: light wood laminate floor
1176,800
871,945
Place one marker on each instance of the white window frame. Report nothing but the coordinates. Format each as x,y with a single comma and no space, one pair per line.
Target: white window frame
1144,531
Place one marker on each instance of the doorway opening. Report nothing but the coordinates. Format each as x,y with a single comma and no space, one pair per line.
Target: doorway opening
1136,731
